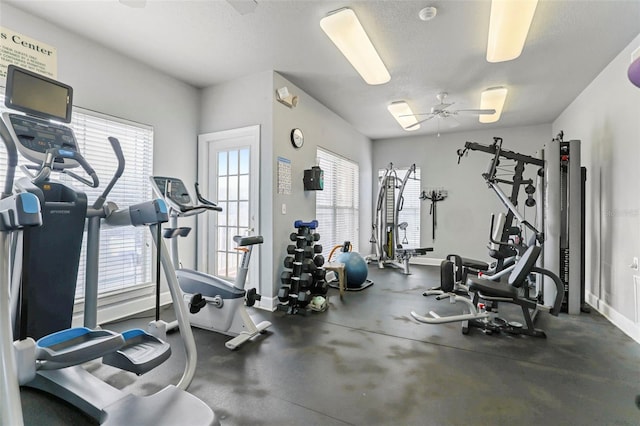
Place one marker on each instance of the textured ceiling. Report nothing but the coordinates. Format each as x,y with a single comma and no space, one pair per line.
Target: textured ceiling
207,42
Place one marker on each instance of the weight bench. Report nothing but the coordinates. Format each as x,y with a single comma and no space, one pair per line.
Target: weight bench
404,254
514,291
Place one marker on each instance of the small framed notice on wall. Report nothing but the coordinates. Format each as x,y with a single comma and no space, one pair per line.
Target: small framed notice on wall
284,176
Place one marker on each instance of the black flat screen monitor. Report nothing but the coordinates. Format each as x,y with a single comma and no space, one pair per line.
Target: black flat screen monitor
38,95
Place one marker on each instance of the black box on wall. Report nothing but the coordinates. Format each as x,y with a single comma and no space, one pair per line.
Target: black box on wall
313,179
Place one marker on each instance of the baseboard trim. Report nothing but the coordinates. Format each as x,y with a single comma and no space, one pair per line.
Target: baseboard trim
267,304
628,327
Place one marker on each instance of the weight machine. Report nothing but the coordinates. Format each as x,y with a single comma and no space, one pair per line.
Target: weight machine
516,289
388,250
563,204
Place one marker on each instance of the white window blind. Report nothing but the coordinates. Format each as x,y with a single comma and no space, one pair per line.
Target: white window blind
410,211
125,252
337,206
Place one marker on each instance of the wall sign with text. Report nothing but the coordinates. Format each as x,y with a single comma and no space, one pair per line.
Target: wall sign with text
25,52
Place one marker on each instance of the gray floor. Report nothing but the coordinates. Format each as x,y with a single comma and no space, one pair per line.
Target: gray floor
365,361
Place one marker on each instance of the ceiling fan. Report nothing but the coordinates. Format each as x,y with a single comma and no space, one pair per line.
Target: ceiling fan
442,111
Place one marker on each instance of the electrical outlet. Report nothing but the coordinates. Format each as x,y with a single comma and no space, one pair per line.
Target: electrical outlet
284,208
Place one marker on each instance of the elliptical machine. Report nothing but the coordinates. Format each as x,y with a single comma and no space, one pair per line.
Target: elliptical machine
214,304
46,285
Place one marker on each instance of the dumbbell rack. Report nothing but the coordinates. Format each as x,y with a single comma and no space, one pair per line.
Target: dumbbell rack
304,275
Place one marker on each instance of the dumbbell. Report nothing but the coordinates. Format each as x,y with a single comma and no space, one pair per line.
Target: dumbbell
318,260
283,294
317,248
303,231
309,266
288,262
304,297
320,274
297,269
293,236
308,252
320,287
285,277
305,280
316,237
291,249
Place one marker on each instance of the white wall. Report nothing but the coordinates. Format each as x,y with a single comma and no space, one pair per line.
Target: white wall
606,118
251,100
322,128
464,217
243,102
114,84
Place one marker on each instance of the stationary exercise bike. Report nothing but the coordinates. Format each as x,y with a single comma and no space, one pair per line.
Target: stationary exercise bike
214,304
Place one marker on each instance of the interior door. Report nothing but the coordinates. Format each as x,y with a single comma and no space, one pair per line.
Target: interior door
228,171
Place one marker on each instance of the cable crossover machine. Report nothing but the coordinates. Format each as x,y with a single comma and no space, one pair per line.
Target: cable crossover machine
389,251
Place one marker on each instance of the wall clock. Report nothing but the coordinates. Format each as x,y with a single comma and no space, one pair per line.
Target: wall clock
297,138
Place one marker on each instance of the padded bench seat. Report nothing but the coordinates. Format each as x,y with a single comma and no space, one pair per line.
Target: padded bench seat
492,288
414,251
478,265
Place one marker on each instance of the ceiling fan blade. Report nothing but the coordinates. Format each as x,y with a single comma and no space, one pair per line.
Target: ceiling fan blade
415,115
476,111
419,122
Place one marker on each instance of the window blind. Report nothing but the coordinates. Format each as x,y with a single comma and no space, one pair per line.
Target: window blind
337,206
125,252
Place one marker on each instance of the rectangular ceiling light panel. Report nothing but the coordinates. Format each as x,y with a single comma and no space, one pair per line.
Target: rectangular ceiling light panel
492,98
508,28
404,115
346,32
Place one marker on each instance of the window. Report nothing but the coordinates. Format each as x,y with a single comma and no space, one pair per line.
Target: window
125,252
337,206
410,211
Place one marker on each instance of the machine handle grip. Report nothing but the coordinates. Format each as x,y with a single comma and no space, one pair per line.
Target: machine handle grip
117,150
73,155
211,204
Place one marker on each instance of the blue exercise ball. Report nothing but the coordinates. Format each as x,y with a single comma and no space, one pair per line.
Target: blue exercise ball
355,268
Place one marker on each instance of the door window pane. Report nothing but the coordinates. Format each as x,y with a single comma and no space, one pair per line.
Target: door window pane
243,188
222,163
233,162
233,188
244,161
222,188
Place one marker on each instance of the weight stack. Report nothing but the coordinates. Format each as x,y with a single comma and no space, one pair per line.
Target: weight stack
304,275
